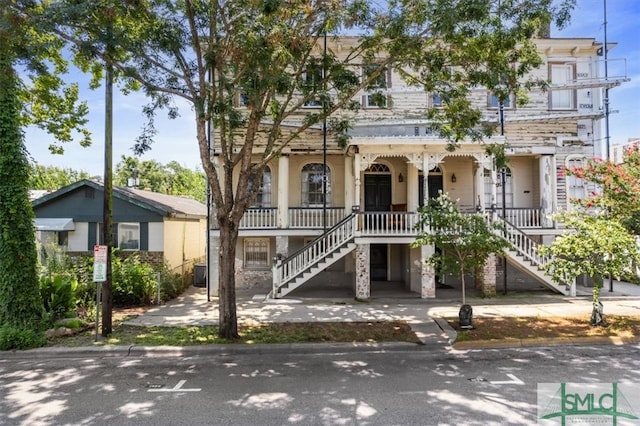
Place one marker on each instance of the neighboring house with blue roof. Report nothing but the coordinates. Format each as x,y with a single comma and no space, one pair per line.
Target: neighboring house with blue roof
159,227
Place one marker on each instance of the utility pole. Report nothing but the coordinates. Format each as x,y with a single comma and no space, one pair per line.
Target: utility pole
606,106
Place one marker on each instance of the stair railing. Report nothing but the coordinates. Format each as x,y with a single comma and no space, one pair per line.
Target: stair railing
287,269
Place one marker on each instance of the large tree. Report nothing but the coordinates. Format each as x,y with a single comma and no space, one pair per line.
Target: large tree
40,98
208,52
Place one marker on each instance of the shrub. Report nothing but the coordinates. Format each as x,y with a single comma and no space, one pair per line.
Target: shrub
134,283
12,337
58,295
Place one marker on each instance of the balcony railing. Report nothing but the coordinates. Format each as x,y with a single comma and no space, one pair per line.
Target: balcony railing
377,223
260,218
314,217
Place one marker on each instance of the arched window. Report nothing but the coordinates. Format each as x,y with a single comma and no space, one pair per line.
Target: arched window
313,191
263,197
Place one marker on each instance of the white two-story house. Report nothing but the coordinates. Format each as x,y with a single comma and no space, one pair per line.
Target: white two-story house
344,218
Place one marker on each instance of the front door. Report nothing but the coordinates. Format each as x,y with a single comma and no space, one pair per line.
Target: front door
377,193
377,197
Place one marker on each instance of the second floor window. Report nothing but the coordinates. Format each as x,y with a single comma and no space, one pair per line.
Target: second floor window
376,98
312,84
313,191
494,102
263,197
561,74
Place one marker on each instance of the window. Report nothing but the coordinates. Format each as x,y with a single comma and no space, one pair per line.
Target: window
575,185
63,238
312,188
263,197
256,253
561,74
376,98
243,100
494,102
312,83
436,100
129,236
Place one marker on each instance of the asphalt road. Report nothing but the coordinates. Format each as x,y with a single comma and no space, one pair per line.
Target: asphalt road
334,386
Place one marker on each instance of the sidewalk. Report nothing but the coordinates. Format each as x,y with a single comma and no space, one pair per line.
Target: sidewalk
424,315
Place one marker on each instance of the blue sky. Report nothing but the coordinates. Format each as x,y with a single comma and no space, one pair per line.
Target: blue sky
176,139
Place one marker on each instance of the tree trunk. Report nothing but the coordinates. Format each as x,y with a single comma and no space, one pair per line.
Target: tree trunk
464,300
228,319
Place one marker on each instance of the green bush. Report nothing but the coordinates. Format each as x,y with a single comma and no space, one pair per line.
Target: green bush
133,282
58,295
12,337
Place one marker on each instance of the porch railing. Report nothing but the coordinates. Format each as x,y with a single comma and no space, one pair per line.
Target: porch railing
523,217
388,223
314,217
260,218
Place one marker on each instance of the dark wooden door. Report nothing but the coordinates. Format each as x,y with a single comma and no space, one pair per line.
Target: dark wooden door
377,193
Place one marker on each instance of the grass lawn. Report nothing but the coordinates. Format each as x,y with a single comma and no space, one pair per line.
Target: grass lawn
547,328
493,329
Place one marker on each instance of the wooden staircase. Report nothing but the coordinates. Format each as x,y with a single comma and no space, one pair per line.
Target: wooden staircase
525,257
293,271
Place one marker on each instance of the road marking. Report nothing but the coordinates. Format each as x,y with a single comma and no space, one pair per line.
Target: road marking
514,381
176,388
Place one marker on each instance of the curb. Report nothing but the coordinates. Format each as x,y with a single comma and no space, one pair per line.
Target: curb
560,341
212,349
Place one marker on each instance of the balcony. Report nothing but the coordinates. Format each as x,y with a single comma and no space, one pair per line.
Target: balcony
370,224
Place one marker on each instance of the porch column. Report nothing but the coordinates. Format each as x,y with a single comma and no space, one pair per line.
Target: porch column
480,201
425,181
412,188
214,265
427,273
486,279
547,166
362,274
282,245
349,183
283,191
356,175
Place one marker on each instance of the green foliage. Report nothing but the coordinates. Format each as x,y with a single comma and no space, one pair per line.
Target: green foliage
465,240
134,282
13,337
171,178
58,294
618,193
595,245
52,178
20,303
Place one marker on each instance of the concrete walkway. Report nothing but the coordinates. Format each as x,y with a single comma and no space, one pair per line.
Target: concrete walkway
424,315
